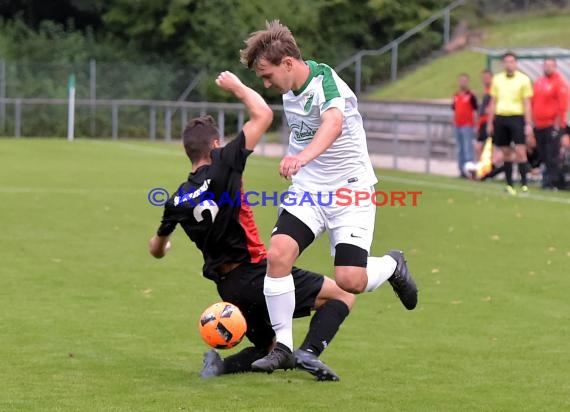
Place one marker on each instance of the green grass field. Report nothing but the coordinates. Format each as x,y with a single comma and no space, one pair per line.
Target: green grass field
90,322
438,78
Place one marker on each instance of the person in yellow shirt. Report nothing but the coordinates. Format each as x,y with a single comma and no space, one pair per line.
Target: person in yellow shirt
510,117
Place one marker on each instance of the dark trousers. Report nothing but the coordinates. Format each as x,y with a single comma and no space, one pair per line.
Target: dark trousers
548,146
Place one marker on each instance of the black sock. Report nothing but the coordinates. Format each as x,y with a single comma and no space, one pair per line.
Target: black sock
241,361
324,325
523,170
495,171
509,172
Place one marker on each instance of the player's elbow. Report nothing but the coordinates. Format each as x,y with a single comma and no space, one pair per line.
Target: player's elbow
262,117
266,116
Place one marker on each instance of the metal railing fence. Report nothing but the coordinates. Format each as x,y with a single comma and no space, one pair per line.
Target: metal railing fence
399,135
394,45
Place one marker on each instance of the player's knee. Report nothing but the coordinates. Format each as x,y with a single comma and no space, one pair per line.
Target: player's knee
282,251
351,285
352,280
521,155
331,291
345,296
350,267
280,255
348,299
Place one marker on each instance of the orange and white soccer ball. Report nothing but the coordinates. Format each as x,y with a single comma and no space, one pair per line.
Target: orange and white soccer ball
222,325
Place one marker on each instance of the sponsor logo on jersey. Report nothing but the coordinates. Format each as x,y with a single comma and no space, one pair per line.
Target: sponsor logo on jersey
191,194
308,98
302,132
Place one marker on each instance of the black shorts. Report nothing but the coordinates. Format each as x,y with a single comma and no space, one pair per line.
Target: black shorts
243,287
482,134
507,130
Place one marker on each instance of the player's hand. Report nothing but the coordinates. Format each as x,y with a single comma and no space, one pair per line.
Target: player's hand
229,82
157,247
490,129
564,144
531,142
528,130
290,165
565,141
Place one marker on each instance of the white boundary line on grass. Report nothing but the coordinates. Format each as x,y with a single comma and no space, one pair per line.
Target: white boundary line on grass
143,148
65,190
478,190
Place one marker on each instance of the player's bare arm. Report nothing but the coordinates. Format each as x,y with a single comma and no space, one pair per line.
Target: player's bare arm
158,246
260,113
564,143
329,130
528,117
560,120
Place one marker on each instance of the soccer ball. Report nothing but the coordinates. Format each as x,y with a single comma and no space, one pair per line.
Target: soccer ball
470,169
222,325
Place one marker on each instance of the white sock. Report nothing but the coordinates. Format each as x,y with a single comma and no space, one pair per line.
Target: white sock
280,298
379,269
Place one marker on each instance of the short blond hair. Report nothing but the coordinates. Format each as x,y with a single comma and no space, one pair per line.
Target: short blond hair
273,44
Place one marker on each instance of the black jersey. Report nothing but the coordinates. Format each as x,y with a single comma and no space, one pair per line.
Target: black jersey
485,105
210,208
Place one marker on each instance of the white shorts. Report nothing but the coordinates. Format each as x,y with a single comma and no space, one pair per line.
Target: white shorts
352,224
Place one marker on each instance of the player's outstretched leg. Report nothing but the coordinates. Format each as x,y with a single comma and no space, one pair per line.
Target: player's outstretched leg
241,362
402,281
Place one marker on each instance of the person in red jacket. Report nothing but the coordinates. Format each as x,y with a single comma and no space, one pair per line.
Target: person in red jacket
465,118
549,107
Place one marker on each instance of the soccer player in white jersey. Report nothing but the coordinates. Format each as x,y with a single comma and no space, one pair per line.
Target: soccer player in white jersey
327,151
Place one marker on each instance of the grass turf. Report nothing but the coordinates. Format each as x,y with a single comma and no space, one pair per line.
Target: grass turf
90,322
438,78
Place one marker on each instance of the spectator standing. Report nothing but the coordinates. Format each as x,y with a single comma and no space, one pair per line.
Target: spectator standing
465,112
549,107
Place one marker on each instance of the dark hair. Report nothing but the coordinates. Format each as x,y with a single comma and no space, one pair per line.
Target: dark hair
198,136
273,44
487,71
464,75
550,59
509,54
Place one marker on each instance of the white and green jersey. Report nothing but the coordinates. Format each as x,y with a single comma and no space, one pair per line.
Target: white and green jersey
346,162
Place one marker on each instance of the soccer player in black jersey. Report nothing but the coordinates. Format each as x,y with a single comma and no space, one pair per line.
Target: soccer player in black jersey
210,208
